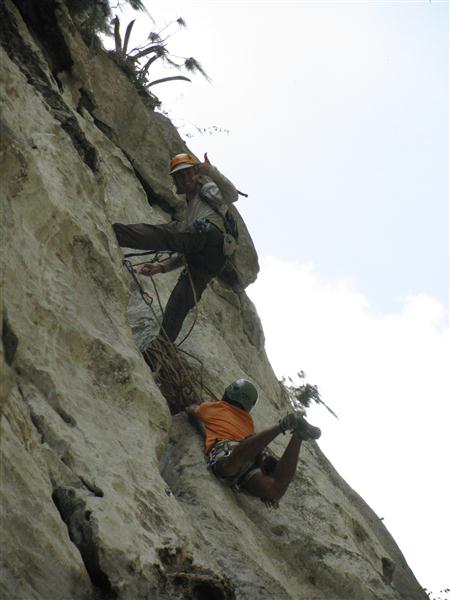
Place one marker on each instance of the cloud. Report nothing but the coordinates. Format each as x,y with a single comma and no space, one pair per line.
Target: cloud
387,378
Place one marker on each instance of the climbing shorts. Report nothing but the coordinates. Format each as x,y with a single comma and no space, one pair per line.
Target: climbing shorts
219,452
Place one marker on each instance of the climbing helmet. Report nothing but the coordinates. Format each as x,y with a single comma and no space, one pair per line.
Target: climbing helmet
243,393
182,161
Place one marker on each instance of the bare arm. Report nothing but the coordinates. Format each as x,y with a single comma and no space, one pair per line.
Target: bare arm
193,418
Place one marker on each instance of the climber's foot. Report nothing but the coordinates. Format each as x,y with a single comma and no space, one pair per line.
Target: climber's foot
290,422
304,431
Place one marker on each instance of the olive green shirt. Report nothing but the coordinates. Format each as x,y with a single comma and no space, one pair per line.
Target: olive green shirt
220,193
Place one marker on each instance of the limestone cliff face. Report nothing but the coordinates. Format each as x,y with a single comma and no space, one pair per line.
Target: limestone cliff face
105,492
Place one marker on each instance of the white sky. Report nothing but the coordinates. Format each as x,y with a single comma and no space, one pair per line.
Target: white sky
338,130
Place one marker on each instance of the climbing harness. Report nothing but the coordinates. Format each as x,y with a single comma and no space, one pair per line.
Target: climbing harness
222,450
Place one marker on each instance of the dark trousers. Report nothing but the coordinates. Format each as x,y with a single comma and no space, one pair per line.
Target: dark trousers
204,258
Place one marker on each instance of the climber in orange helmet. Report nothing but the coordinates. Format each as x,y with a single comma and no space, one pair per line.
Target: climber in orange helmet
236,455
198,239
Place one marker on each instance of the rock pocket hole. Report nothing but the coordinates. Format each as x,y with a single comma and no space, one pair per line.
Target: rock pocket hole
10,341
388,567
205,591
181,578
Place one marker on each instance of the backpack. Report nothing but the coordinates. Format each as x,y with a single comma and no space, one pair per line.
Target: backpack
241,264
231,236
231,226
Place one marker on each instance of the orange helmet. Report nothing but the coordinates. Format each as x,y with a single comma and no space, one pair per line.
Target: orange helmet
182,161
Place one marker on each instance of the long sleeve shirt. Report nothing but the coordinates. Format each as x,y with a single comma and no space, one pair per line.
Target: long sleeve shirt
220,193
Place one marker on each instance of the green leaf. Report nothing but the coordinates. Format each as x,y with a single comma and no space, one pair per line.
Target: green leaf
127,36
117,38
160,49
174,78
145,68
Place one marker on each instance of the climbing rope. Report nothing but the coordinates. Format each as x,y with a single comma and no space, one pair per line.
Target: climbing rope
147,298
180,382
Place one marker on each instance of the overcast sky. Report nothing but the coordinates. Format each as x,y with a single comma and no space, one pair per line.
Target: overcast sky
337,120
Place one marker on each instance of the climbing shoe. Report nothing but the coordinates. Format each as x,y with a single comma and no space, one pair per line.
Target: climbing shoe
304,431
290,422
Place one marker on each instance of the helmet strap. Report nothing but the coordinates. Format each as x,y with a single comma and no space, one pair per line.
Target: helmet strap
232,402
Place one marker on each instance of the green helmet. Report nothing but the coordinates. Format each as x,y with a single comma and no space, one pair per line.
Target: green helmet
243,393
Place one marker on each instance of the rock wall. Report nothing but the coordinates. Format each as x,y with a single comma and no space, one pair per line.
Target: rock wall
104,493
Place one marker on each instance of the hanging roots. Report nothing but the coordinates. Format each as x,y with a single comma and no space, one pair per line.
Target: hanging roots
180,382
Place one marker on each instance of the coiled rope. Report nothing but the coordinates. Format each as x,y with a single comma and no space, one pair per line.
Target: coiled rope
180,382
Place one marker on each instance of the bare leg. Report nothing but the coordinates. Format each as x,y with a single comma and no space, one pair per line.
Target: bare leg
287,465
274,487
247,450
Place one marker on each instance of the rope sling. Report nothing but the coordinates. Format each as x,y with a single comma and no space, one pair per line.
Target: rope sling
180,382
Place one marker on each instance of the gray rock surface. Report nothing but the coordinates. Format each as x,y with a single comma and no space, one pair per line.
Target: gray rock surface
104,494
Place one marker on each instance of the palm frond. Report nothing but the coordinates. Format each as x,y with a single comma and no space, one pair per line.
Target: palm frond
164,79
117,38
126,39
143,72
158,49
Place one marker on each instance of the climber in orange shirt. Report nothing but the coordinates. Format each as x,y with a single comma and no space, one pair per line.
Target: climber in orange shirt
236,455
